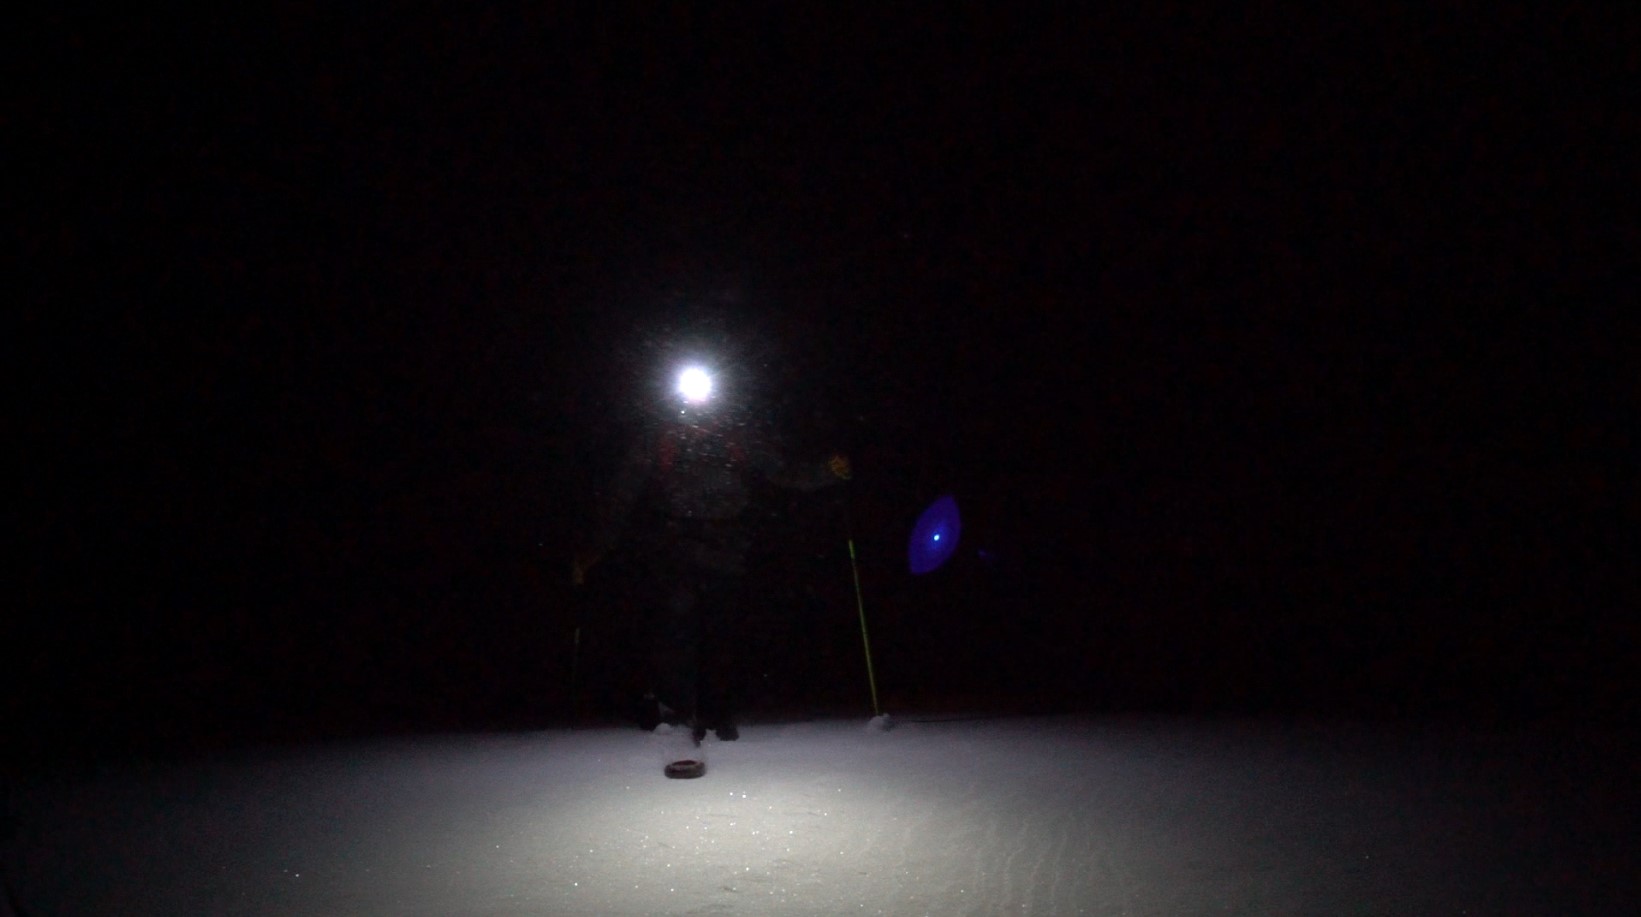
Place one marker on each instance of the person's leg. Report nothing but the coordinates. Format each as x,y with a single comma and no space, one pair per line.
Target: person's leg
723,660
675,650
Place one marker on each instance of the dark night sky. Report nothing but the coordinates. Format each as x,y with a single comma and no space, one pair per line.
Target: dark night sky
1277,360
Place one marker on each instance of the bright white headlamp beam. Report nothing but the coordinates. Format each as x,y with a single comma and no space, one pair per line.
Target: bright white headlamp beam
695,385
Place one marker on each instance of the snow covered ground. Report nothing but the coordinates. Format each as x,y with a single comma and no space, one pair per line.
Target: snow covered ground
1049,815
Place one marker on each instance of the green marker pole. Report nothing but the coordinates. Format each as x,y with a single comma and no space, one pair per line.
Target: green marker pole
866,641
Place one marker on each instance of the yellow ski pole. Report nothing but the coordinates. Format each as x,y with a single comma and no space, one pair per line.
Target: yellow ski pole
865,640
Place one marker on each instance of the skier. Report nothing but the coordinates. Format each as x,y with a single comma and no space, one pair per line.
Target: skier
701,461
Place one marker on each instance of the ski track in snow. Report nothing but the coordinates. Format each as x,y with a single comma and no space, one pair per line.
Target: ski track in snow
1056,815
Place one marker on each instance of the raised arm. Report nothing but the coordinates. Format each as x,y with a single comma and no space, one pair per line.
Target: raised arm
810,475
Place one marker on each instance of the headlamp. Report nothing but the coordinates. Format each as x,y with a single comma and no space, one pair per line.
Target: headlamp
695,385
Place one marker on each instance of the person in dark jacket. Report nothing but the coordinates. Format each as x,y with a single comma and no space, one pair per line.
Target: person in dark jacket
701,463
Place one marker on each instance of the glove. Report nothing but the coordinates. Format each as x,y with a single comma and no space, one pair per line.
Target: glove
840,466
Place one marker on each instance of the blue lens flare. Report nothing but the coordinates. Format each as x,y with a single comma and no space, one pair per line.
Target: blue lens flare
934,538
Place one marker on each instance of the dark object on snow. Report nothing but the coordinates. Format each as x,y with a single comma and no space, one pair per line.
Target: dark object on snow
687,769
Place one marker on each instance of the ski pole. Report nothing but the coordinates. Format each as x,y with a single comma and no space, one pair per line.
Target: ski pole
578,598
866,641
860,603
575,666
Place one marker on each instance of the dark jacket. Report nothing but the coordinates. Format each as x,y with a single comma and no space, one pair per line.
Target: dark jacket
702,471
